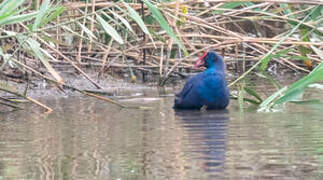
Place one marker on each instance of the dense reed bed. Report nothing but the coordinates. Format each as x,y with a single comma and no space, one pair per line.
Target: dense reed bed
160,39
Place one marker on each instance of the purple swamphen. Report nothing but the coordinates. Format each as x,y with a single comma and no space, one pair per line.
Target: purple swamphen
208,88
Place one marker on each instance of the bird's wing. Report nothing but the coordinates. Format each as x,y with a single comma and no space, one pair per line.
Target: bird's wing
191,83
185,90
179,97
214,84
188,86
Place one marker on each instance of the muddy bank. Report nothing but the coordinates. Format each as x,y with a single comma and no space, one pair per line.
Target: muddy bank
119,83
110,86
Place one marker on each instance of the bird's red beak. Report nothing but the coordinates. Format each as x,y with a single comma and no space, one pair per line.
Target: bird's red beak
200,62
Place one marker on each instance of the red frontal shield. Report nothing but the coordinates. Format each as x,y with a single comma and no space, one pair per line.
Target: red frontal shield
200,62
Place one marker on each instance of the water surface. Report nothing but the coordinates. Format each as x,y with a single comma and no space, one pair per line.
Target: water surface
89,139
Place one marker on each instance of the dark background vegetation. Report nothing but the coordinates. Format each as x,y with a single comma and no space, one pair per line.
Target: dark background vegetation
146,40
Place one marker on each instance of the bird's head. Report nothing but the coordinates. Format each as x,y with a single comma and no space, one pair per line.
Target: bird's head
210,60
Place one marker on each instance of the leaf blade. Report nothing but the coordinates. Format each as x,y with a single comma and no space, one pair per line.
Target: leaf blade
86,30
164,24
42,12
110,30
135,16
35,47
123,20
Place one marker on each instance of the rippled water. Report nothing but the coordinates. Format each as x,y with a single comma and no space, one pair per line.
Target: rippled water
89,139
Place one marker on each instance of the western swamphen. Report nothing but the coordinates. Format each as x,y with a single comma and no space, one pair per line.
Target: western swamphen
208,88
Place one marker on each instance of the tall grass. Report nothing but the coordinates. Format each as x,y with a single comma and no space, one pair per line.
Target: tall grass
109,35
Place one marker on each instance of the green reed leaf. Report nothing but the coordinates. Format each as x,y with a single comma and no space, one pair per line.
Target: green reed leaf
110,30
164,24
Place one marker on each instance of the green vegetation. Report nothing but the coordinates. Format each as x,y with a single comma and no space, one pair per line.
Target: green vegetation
111,35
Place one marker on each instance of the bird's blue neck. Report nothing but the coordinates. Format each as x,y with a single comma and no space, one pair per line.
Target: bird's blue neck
211,69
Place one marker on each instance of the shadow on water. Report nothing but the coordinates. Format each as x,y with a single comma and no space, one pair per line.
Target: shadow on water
207,133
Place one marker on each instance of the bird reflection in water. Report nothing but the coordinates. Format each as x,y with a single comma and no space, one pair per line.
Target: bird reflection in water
207,136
